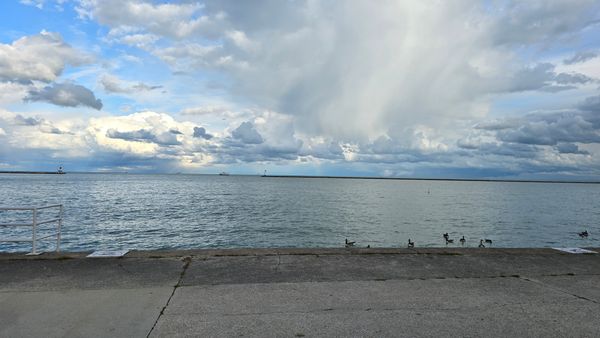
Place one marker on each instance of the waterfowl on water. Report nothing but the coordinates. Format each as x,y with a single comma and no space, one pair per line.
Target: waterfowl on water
349,244
448,240
489,241
411,244
446,236
583,234
462,240
481,244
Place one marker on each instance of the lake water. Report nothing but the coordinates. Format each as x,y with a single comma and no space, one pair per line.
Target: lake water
118,211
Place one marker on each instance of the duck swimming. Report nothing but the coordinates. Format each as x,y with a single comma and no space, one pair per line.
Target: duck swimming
583,234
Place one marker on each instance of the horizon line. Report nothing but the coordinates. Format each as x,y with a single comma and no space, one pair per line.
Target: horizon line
450,179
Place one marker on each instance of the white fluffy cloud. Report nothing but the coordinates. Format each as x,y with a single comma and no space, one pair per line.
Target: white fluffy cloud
172,20
41,57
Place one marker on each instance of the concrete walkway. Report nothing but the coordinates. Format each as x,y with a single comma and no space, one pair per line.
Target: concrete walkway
302,292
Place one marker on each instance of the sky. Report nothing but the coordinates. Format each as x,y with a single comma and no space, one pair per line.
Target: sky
431,89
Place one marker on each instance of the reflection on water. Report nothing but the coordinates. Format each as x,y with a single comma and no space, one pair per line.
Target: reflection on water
111,211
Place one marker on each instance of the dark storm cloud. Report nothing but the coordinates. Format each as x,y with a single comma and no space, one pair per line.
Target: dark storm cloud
580,57
543,77
247,134
144,135
20,120
570,148
113,84
66,95
525,22
550,129
591,104
534,133
496,124
200,132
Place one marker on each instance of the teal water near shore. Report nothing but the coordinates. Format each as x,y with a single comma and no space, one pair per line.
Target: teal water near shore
110,211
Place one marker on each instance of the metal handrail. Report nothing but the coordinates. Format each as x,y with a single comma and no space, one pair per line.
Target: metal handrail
34,224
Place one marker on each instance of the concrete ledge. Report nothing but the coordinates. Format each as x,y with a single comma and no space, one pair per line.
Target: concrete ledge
302,292
294,251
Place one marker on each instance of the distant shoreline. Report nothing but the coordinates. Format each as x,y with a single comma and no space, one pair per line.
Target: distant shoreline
33,172
433,179
325,176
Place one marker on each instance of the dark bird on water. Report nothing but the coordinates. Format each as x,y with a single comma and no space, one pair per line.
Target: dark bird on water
583,234
349,244
448,240
481,244
446,236
489,241
411,244
462,240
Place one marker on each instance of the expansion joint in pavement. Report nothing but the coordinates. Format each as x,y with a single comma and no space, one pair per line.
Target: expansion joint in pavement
186,264
531,280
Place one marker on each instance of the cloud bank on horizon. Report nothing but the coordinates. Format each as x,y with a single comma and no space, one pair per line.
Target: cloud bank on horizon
392,88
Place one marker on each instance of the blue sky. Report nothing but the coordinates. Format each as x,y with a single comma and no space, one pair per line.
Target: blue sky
496,89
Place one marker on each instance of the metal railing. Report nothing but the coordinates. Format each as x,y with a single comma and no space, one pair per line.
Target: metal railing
35,223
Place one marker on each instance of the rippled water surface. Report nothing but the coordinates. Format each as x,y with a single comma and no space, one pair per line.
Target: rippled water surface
110,211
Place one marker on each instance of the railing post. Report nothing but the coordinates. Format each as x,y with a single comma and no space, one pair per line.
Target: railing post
34,252
60,218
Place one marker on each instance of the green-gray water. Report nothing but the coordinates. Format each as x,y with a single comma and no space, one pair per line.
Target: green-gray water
109,211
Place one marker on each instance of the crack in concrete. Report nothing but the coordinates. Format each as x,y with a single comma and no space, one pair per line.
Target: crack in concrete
124,269
187,261
278,262
535,281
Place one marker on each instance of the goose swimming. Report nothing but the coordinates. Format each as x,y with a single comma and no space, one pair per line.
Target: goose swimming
462,240
411,244
481,243
349,244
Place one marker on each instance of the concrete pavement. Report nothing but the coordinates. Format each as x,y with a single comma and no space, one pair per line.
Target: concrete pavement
302,292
